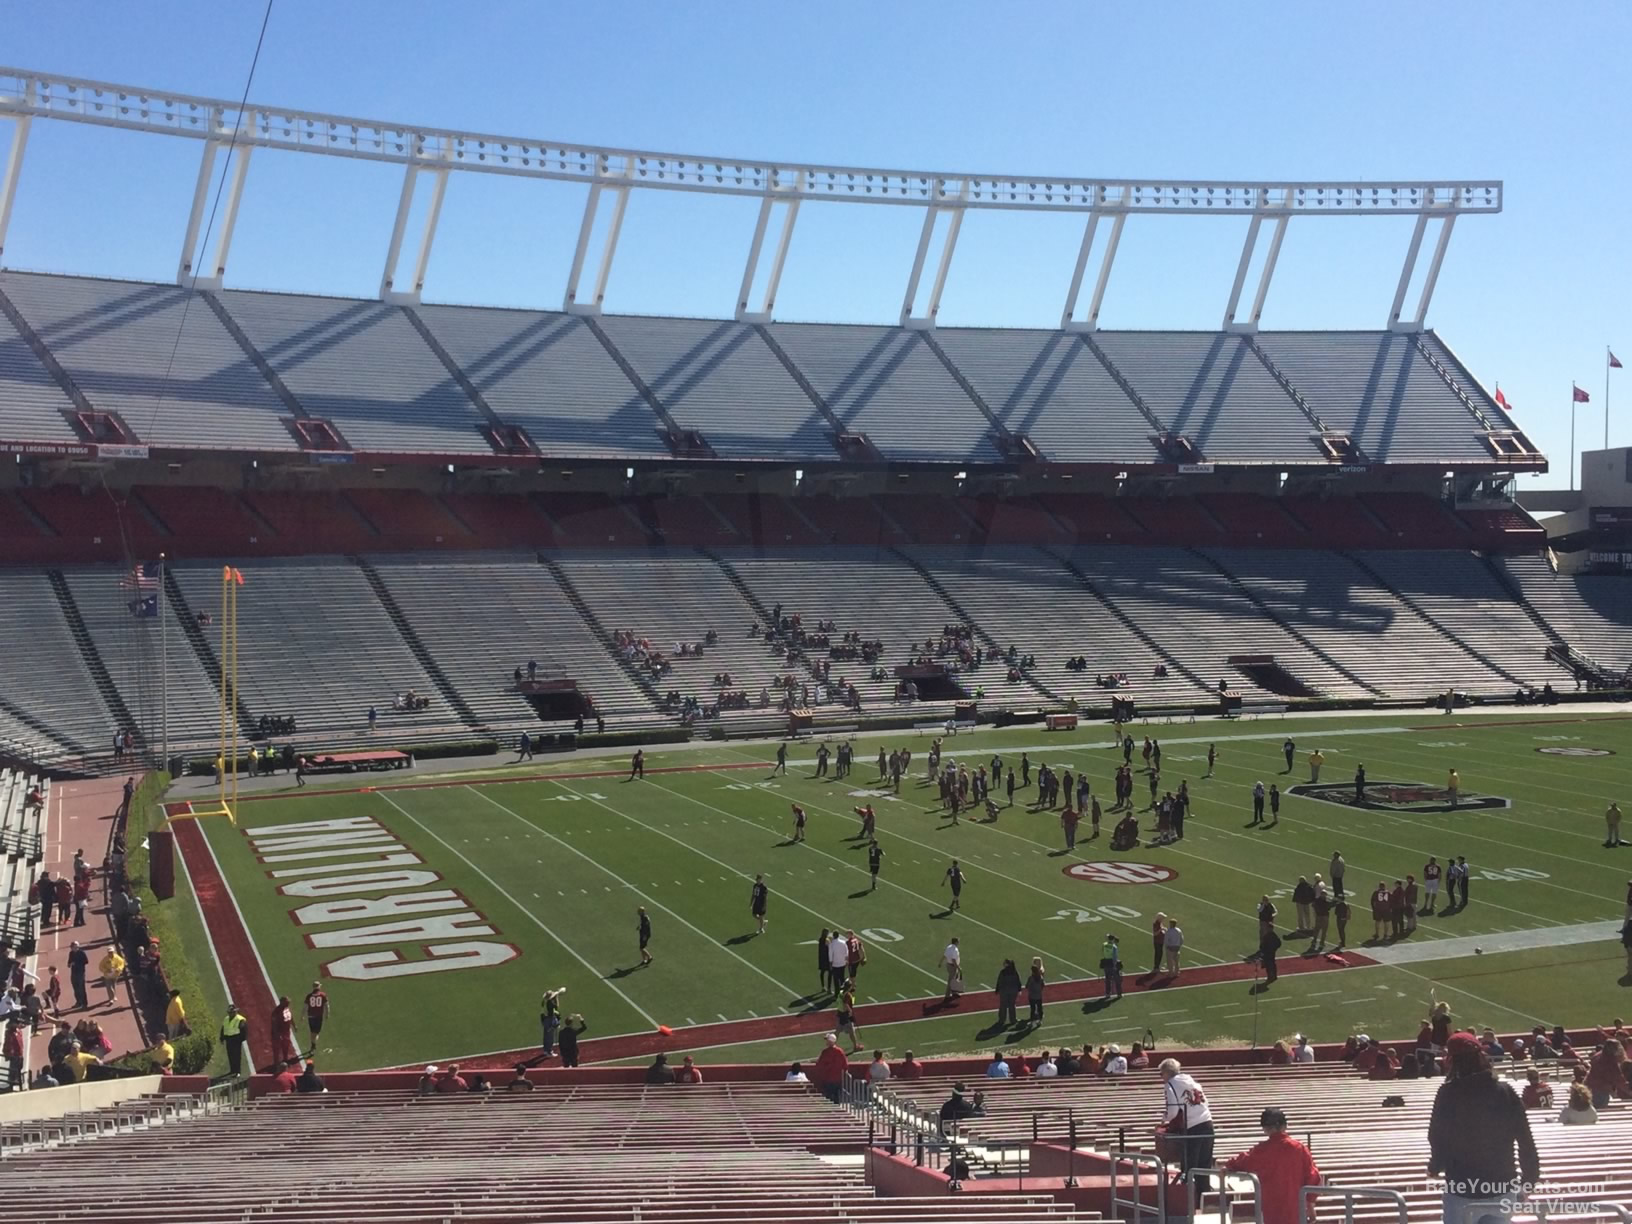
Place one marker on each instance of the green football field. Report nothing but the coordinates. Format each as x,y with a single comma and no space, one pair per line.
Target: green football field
513,881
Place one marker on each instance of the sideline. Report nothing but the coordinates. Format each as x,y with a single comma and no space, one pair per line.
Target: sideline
1497,941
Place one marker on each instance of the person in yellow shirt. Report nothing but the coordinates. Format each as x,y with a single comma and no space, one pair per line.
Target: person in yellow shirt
1453,784
1316,760
79,1064
164,1056
175,1016
112,967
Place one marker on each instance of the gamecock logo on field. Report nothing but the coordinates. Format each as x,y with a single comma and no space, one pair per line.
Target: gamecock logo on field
1577,752
1121,873
1397,796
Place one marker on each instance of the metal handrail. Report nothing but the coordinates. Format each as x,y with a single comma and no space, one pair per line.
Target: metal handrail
1350,1195
1136,1205
1198,1184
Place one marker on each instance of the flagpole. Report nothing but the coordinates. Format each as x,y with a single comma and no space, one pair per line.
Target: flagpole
1573,407
164,672
1607,355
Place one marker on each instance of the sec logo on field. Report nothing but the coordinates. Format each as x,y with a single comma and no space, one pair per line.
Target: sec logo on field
1576,752
1121,873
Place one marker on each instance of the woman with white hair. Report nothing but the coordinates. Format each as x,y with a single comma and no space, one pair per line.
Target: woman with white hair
1186,1117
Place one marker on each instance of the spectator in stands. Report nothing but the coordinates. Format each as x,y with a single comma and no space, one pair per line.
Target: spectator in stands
1283,1167
660,1072
908,1068
1279,1055
957,1107
1580,1111
310,1080
796,1075
1476,1124
520,1083
1114,1063
829,1071
1537,1095
373,718
1302,1051
688,1073
1068,1062
451,1081
998,1068
878,1070
1606,1074
1187,1117
285,1081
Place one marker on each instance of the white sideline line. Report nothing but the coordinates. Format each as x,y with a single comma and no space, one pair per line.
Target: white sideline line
543,832
227,888
1497,941
537,921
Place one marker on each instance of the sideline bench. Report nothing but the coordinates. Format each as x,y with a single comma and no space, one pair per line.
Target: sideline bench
358,762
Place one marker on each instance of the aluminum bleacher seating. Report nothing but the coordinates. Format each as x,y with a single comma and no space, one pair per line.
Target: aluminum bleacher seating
882,598
1459,592
1593,613
525,615
550,375
1379,389
560,1154
43,674
675,597
364,367
167,366
1343,611
130,648
22,847
723,380
94,524
888,384
314,642
31,403
1049,387
1026,598
1203,619
1212,388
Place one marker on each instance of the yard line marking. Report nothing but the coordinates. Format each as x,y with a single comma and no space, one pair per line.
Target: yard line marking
603,867
1216,1006
1315,994
937,978
753,1013
537,921
721,1015
1364,1000
690,1021
1176,1023
1177,1011
815,807
1235,1016
1305,1007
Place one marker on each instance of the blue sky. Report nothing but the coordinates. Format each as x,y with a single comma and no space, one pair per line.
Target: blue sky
1530,94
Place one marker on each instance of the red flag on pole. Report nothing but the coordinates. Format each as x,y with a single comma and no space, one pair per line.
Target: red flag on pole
1502,399
1580,397
1614,362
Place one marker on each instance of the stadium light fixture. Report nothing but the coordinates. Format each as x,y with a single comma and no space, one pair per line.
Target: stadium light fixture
961,476
628,473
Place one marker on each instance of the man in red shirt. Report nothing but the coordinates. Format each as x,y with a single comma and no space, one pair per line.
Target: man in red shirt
1283,1167
908,1069
688,1073
828,1073
284,1080
452,1081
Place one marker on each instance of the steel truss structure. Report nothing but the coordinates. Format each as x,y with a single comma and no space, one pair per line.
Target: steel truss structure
611,174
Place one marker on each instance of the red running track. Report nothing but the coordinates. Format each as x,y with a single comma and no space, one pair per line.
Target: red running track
979,1005
240,965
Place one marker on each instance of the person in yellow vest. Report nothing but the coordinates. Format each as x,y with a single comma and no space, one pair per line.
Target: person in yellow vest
1316,760
234,1032
220,769
112,967
1453,784
164,1056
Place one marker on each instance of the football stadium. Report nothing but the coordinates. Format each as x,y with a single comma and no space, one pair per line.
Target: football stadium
464,761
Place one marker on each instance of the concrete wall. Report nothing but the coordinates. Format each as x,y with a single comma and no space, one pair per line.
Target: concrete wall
73,1098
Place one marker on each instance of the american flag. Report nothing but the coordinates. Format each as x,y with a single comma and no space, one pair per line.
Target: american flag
141,577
